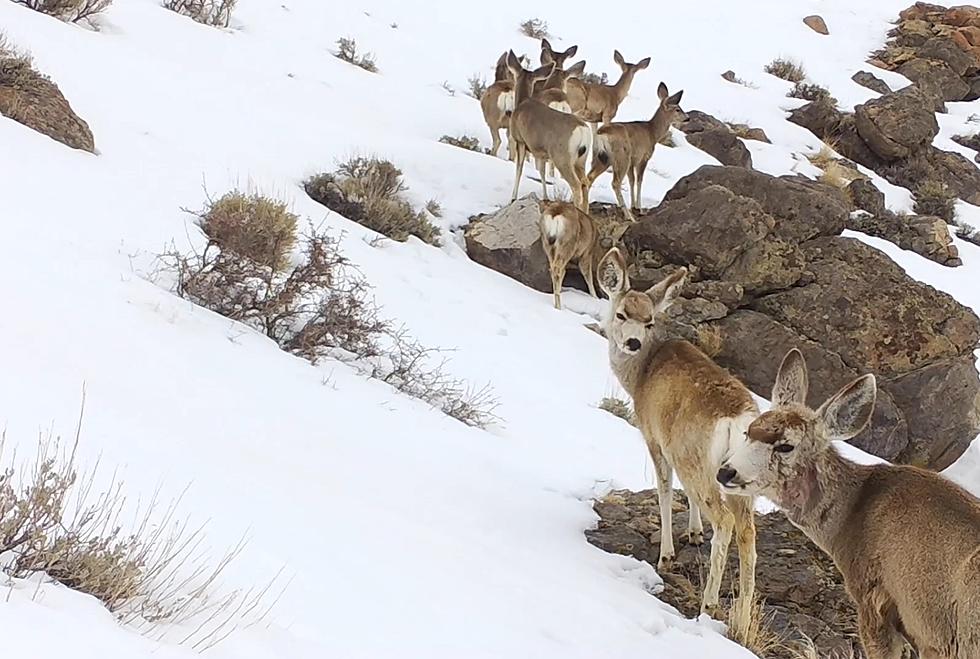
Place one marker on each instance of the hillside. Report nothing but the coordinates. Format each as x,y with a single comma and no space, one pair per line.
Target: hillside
399,531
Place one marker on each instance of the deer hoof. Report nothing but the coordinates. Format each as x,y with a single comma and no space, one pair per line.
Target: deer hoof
713,610
694,538
666,563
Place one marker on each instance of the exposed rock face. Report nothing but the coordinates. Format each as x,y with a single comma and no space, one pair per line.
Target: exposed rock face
30,98
923,234
802,590
871,81
817,24
509,241
716,138
897,125
866,196
936,78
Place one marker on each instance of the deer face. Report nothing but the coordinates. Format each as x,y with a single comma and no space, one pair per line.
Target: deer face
549,55
628,68
670,105
781,446
633,314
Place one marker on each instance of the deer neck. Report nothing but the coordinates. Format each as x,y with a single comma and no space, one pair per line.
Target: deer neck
820,499
622,86
659,123
632,368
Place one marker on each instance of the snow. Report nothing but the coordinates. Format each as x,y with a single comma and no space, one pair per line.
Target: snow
404,533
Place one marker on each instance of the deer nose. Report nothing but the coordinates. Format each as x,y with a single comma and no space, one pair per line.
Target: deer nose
633,344
726,475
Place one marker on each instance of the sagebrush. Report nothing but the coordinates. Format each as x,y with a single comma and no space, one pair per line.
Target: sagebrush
216,13
467,142
809,91
934,198
968,232
477,86
786,69
618,407
71,11
595,78
535,28
347,51
370,191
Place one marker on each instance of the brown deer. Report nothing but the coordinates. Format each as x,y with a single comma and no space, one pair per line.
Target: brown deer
547,134
628,146
691,413
549,55
597,102
906,540
568,234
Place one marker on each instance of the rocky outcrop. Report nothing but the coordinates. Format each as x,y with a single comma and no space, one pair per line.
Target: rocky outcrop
30,98
509,241
716,138
925,235
802,591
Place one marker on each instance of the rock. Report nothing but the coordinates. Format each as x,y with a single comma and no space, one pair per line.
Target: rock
923,11
871,81
925,235
751,347
802,208
817,24
866,196
960,39
942,405
746,132
766,266
960,176
935,78
820,117
944,49
724,145
875,316
962,15
697,121
30,98
912,33
898,124
730,76
803,592
974,92
969,141
509,242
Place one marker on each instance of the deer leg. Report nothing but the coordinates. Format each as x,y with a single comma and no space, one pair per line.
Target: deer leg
598,167
568,173
519,155
631,174
494,141
745,539
542,167
618,190
586,265
665,494
879,635
582,180
722,524
695,529
640,172
558,267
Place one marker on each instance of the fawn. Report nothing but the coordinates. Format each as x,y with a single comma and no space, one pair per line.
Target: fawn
597,102
568,234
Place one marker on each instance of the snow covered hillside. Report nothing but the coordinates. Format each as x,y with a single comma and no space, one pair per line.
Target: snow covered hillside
404,532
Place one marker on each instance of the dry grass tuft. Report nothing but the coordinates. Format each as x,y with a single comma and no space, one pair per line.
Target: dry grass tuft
216,13
835,171
70,11
764,641
369,191
463,142
618,407
934,198
347,51
786,69
809,91
251,225
535,28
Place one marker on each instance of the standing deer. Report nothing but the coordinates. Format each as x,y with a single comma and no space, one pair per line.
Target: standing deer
906,540
628,146
596,102
547,134
692,413
568,234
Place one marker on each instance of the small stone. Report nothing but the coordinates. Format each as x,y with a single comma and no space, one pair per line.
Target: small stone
817,24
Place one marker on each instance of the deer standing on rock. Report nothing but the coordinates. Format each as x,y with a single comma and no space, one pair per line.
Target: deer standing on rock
568,234
547,134
906,540
692,413
597,102
628,146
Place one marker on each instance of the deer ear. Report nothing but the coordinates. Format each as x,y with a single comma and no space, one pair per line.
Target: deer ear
546,45
618,58
543,72
663,294
612,273
546,57
575,70
571,52
791,380
662,92
513,63
643,63
675,99
848,412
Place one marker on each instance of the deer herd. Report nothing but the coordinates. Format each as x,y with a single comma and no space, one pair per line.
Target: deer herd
906,540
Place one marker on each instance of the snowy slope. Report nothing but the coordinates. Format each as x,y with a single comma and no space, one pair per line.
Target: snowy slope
406,533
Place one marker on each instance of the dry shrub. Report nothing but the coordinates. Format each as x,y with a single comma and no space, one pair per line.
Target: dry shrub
369,191
934,198
478,86
535,28
433,208
618,407
251,225
463,142
809,91
786,69
71,11
967,232
216,13
148,574
764,641
594,78
347,51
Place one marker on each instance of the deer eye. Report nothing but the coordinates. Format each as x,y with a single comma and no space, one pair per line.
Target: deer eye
620,316
783,448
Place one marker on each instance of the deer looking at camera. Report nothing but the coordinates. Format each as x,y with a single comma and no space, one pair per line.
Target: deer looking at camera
628,146
906,540
594,102
547,134
692,413
568,234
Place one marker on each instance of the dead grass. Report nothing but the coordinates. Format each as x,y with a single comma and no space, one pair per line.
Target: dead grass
764,641
347,51
216,13
786,69
370,191
809,91
535,28
835,171
70,11
618,407
477,86
934,198
463,142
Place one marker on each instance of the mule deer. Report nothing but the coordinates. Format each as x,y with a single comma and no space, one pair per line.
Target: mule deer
691,413
549,55
906,540
628,146
549,135
568,234
597,102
